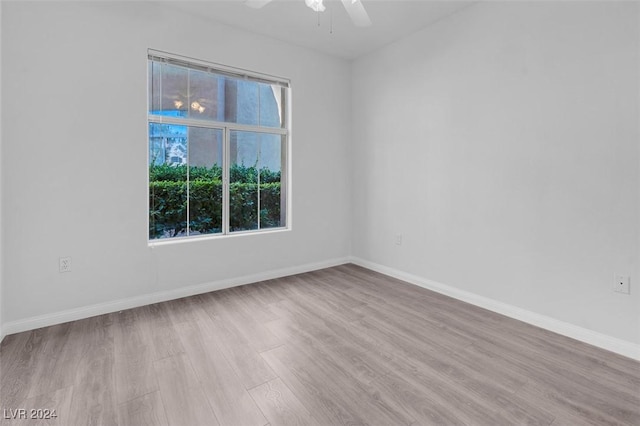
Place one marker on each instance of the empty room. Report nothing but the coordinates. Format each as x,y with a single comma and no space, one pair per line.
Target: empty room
319,212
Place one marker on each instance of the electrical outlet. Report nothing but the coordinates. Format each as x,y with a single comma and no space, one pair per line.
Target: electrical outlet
621,284
65,264
399,240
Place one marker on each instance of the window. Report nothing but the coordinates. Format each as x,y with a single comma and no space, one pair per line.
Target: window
218,149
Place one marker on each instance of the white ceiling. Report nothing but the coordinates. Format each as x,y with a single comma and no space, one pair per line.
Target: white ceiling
292,21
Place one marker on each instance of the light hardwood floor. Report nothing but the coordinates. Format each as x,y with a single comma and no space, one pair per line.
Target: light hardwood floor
338,346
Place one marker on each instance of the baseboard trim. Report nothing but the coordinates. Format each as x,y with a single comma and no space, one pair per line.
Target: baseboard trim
613,344
162,296
591,337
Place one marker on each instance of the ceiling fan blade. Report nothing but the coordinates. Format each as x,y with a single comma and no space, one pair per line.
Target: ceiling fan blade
256,4
356,11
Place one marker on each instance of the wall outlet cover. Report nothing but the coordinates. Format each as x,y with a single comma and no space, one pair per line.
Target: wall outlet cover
621,284
65,264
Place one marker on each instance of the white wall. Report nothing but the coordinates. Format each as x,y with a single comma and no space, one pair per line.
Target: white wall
75,155
502,143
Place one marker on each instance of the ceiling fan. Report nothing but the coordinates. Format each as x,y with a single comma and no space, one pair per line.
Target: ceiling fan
354,8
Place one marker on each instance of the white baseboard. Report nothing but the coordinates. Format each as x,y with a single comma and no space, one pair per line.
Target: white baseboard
594,338
619,346
163,296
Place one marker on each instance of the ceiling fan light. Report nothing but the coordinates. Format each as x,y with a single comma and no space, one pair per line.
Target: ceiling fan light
315,5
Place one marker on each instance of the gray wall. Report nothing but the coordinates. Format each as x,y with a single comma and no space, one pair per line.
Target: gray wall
83,66
502,143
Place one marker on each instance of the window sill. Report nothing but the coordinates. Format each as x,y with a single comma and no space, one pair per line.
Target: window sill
210,237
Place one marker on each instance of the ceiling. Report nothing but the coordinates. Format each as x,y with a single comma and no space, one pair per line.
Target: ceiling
293,22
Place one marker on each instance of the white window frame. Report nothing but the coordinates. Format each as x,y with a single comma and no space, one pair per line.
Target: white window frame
227,128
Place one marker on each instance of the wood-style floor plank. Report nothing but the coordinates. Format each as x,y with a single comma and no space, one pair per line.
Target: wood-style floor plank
146,410
228,398
49,409
182,395
94,395
253,303
134,355
280,405
244,359
18,376
339,346
161,330
318,340
10,351
432,368
424,403
371,406
228,308
325,408
51,374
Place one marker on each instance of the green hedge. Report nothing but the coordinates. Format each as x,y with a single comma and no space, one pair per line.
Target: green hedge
237,173
168,200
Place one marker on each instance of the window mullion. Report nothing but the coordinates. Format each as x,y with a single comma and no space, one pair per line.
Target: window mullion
259,158
188,183
258,175
284,180
210,124
226,187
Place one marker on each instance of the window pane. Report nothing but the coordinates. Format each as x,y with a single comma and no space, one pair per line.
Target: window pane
256,181
272,149
167,181
169,90
240,101
243,181
205,181
271,106
203,95
177,91
249,102
155,76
